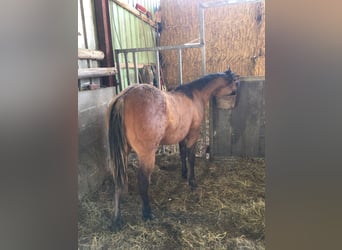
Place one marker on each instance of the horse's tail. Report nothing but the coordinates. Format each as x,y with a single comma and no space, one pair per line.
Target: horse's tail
118,143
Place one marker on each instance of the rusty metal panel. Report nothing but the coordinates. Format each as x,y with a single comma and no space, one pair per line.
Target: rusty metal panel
92,142
240,131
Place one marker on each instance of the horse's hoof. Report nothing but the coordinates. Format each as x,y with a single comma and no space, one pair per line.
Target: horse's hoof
148,217
185,175
193,184
116,225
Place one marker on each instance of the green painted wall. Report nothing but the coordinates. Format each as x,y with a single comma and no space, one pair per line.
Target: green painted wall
128,31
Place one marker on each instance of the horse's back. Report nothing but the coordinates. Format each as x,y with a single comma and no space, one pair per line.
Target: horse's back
144,100
145,117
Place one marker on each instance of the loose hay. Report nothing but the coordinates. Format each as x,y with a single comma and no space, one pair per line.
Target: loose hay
226,211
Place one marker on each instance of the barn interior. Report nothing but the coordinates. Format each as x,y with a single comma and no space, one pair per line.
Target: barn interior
167,43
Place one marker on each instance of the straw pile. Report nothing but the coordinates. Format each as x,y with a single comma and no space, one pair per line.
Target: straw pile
226,211
234,35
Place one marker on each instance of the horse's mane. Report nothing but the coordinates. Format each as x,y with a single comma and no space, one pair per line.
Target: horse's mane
200,83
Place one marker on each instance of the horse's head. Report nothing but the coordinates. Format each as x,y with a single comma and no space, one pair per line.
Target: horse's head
231,86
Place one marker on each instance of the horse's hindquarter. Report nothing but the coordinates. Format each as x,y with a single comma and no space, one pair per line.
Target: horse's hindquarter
145,118
179,110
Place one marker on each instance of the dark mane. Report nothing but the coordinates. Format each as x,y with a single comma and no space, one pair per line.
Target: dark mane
200,83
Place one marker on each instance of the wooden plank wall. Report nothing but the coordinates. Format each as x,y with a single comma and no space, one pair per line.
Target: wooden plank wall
240,131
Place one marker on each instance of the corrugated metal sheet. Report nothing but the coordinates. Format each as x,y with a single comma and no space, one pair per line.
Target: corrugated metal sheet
240,131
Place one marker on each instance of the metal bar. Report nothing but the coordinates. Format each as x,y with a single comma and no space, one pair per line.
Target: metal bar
117,59
211,130
172,47
226,2
127,70
202,42
202,39
136,74
204,68
180,75
158,69
201,25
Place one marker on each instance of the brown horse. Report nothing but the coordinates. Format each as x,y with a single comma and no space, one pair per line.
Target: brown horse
143,117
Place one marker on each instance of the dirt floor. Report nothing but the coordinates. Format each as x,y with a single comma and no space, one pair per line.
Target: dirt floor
226,211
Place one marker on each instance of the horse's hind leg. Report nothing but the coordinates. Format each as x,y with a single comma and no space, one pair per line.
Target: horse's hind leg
143,184
144,177
182,153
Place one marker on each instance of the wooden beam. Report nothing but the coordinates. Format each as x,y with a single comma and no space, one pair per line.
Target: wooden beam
135,12
95,72
90,54
102,72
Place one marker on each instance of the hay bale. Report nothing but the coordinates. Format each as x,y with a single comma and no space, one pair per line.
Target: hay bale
234,35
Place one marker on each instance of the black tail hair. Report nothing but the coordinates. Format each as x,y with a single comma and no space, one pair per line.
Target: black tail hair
118,143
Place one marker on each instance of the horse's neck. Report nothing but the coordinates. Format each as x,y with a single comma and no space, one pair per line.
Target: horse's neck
210,89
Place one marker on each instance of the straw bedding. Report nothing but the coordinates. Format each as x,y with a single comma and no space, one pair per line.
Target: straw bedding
226,211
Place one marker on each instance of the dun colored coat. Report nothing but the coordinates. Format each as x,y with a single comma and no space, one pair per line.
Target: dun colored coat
143,117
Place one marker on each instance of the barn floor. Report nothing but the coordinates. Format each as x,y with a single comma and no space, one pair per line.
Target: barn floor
226,211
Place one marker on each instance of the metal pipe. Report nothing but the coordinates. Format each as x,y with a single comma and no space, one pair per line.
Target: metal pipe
127,70
226,2
117,59
204,69
202,38
172,47
158,69
202,42
136,74
201,24
180,67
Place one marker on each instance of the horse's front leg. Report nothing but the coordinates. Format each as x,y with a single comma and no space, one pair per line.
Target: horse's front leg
183,153
191,158
190,145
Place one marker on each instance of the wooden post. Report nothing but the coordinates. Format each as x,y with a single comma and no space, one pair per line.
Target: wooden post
105,38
